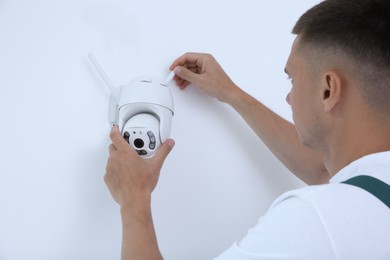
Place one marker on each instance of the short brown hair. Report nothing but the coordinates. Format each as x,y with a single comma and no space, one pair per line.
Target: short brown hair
360,29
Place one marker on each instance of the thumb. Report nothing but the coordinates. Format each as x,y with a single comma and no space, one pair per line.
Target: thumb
186,74
163,152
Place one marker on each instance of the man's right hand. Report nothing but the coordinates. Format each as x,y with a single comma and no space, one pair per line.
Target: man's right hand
204,71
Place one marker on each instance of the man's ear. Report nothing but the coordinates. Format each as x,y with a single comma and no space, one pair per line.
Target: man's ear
331,90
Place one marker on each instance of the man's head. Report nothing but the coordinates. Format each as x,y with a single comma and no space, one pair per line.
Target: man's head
355,32
345,43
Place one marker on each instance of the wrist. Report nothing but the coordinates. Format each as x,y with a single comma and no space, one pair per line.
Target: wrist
234,95
136,204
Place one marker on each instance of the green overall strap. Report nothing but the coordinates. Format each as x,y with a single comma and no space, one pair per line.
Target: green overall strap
374,186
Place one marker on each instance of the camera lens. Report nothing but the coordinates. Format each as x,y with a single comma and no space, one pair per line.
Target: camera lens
139,143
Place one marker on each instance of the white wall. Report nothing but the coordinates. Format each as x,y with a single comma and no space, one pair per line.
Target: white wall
54,135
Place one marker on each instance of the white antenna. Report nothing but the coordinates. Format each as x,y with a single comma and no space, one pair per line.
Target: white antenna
169,78
115,91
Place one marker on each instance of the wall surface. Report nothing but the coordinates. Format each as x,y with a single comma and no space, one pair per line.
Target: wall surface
54,134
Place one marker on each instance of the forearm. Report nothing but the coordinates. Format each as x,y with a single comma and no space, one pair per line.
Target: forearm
278,134
139,239
281,138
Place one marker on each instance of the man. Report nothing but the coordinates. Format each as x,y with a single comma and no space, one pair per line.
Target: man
339,67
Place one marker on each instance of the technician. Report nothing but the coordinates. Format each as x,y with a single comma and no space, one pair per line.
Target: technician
339,67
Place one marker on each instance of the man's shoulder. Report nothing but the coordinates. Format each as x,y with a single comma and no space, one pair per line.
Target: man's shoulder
310,193
333,198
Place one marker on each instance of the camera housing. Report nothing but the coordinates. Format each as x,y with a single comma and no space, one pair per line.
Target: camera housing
145,114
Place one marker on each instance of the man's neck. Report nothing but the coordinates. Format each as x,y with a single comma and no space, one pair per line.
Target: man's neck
352,144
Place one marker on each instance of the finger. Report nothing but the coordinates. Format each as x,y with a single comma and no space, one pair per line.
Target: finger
118,141
163,152
184,59
108,171
182,84
112,149
186,74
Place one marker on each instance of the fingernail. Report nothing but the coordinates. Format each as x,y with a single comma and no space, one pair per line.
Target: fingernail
171,143
177,70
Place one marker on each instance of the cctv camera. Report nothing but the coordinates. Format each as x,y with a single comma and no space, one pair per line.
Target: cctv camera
145,114
142,109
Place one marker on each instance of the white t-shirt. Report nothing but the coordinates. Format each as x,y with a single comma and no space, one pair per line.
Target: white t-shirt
330,221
